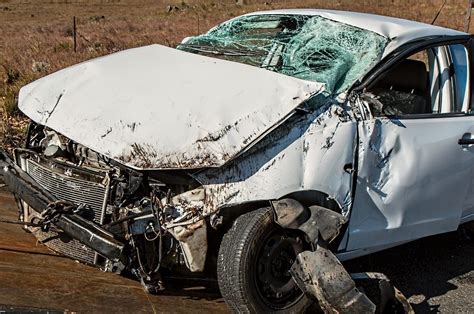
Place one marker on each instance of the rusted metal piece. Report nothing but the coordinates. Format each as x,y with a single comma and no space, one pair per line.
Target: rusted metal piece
323,278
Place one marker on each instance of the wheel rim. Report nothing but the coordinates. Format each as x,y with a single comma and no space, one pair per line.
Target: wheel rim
273,280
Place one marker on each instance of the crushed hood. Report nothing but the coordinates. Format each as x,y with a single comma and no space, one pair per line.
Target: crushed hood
156,107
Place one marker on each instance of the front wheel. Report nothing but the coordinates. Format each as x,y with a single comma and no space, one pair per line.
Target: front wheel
254,260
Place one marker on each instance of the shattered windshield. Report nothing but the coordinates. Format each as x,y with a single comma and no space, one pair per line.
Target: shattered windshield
306,47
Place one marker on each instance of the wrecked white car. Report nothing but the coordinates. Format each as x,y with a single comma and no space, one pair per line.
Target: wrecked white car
270,148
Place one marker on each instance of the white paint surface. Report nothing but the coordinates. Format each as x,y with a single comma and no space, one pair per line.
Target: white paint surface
156,107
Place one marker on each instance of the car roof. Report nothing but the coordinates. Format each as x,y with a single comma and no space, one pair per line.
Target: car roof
398,31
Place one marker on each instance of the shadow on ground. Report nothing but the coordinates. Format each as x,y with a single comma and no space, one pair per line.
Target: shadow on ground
429,271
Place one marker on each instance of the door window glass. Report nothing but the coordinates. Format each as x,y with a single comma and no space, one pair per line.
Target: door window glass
460,63
429,82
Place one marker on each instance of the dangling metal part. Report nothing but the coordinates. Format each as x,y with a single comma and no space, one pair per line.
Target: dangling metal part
322,277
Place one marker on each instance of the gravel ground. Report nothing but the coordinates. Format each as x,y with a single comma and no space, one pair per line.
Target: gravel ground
436,274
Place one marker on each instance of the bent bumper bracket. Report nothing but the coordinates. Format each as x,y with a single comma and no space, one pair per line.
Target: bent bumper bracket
86,232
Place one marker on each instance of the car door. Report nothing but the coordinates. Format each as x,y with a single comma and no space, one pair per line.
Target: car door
416,152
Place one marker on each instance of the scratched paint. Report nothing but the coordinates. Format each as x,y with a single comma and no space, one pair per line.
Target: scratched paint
295,157
157,114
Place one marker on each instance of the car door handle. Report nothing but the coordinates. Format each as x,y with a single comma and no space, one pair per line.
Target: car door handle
466,141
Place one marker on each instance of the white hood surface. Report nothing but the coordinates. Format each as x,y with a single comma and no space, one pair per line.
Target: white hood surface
156,107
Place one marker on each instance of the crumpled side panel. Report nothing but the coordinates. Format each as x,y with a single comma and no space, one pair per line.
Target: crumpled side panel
306,153
307,47
412,181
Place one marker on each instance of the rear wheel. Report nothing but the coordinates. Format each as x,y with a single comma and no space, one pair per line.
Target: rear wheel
253,265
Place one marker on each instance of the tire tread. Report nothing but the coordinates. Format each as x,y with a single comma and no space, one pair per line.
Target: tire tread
236,249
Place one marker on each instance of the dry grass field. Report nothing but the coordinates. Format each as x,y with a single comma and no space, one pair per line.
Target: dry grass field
36,35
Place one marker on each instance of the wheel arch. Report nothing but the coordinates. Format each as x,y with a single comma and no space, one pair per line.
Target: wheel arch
307,198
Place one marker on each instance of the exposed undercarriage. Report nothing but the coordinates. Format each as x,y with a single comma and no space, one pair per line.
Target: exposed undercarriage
133,210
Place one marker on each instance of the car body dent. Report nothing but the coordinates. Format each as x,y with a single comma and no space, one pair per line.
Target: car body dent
146,112
308,153
413,180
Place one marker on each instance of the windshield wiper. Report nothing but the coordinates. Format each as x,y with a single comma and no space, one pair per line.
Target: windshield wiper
234,53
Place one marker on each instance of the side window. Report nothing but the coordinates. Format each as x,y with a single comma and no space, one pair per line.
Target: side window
432,81
460,61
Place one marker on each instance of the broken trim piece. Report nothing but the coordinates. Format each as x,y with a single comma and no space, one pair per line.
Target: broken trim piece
323,278
193,241
315,221
390,299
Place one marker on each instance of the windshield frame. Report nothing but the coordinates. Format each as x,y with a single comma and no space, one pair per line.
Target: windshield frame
340,55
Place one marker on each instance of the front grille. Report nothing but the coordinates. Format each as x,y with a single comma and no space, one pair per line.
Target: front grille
78,191
64,245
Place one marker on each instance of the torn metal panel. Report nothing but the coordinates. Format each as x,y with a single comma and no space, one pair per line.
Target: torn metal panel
315,222
193,241
307,153
378,286
413,180
321,276
159,108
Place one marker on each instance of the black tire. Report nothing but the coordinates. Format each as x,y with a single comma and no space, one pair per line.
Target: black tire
253,252
468,229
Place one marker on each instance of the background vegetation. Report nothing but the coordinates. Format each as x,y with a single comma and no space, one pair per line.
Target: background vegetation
36,36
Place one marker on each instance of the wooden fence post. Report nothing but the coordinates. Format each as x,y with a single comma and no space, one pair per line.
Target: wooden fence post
468,16
74,32
198,30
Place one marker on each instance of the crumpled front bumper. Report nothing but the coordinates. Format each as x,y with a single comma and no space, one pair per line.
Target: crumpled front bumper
75,226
